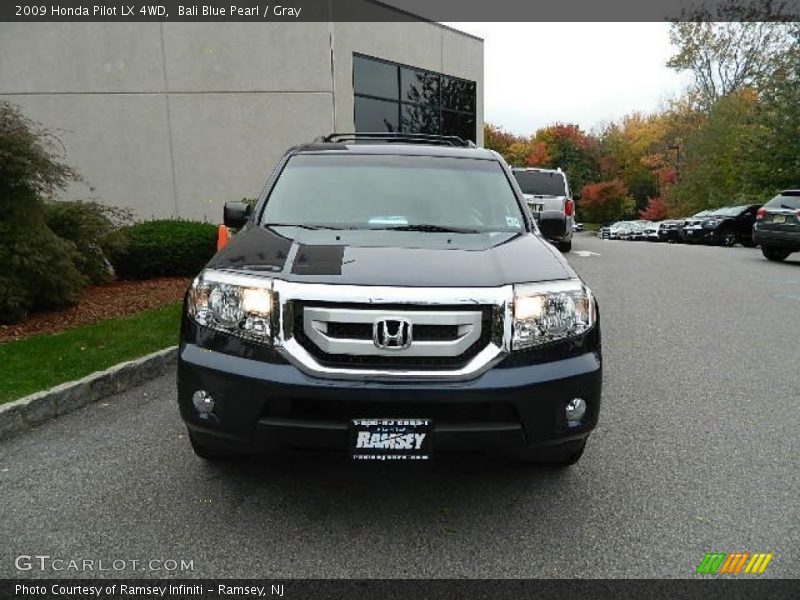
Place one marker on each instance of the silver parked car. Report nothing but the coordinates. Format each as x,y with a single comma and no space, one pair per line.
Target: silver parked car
550,200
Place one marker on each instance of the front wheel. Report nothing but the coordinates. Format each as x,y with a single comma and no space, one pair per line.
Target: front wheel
562,455
564,246
729,239
774,254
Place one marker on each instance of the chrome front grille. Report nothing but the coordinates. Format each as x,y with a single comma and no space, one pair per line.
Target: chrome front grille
441,338
357,331
330,330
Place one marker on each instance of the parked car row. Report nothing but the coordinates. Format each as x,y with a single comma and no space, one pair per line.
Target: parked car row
775,226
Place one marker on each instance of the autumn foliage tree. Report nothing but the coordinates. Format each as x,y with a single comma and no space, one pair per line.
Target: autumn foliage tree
730,138
605,201
568,147
655,211
497,139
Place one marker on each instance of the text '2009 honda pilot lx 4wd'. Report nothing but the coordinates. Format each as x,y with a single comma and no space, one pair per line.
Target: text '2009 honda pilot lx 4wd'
391,300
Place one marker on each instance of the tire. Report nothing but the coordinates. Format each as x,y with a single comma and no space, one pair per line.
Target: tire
210,452
729,239
774,254
564,246
563,455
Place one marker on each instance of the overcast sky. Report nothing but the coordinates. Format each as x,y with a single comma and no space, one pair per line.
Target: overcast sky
585,73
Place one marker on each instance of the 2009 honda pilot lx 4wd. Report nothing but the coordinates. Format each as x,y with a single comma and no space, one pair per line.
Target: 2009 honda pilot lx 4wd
391,300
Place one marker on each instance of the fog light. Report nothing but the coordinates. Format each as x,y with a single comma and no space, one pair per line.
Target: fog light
576,408
203,402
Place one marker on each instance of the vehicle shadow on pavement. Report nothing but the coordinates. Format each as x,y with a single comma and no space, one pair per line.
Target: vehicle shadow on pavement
312,486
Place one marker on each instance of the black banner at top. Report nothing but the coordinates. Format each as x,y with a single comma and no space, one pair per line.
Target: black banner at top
397,10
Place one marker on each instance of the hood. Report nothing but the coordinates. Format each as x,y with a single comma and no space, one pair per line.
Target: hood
706,222
394,258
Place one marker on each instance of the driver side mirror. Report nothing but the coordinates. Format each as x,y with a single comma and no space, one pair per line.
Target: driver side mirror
236,214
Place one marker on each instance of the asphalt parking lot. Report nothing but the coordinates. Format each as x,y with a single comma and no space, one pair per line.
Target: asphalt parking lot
697,451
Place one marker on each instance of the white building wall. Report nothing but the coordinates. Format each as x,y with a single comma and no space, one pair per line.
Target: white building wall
175,119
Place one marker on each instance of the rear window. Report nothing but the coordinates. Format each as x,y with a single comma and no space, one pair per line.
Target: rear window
785,201
359,191
541,183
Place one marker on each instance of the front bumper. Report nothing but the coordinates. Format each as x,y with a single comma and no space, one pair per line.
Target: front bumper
702,236
263,406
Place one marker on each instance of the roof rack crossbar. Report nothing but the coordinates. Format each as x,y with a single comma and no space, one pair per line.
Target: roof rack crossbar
397,138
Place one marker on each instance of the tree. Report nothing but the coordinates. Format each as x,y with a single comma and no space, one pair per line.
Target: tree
38,266
776,160
537,155
727,57
568,147
655,211
497,139
720,160
605,201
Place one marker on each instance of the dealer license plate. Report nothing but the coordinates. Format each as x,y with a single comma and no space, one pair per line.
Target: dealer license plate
391,439
778,219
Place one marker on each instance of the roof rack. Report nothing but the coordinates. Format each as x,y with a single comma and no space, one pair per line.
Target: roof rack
397,138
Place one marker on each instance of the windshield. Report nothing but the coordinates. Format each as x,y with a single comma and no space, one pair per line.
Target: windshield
541,183
389,192
728,211
785,202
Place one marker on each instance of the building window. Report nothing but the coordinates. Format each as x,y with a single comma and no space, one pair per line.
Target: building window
393,97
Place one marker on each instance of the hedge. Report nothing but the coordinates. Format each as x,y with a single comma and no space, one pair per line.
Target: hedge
165,247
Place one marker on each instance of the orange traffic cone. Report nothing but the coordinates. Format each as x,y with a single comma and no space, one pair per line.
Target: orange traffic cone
222,236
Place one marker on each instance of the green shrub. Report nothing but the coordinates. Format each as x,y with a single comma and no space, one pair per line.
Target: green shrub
38,267
94,230
38,270
165,247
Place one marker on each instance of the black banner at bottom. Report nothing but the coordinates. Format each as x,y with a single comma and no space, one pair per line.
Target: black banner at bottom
390,589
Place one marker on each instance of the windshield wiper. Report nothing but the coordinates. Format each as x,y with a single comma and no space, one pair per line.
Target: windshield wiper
302,226
427,227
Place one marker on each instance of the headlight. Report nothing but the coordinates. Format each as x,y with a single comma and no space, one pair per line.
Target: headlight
232,303
545,312
711,224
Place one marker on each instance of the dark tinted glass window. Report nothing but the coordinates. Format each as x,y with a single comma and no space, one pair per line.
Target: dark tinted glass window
458,94
420,118
792,201
424,101
374,78
460,124
376,115
544,183
419,86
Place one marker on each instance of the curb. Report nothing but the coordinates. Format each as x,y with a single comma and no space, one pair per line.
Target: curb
22,414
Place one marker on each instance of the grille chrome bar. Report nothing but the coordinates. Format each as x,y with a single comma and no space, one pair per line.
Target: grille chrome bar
287,294
316,321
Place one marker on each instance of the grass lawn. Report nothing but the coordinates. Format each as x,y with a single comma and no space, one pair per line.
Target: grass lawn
43,361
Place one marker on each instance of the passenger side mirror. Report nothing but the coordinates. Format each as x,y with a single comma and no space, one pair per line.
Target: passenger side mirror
236,214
